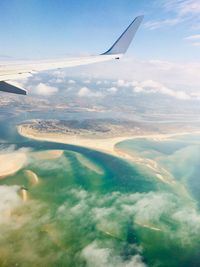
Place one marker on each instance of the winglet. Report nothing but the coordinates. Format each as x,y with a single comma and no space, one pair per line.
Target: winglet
123,42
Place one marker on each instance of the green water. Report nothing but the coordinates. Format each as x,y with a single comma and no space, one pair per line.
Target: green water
92,209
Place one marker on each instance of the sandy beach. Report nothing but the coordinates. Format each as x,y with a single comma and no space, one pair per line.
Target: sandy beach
10,163
106,145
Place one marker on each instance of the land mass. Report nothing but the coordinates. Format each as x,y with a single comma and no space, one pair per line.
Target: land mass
100,135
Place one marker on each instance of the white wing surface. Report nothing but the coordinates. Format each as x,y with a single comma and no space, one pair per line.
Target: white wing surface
17,70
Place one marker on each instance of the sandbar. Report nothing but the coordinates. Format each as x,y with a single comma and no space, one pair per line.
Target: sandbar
10,163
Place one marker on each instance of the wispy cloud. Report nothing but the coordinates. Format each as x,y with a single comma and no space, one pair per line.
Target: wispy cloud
152,25
197,44
193,37
185,7
182,10
9,199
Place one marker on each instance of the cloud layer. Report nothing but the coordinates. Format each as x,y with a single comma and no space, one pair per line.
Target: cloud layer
86,92
45,90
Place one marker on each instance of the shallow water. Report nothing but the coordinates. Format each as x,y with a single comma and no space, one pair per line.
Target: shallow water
91,209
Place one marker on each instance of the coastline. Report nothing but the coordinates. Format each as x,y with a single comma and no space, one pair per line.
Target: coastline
107,145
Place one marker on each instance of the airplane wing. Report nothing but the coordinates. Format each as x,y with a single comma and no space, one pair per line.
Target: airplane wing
13,71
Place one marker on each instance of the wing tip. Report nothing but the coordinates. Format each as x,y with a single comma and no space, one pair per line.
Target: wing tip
123,42
140,17
7,87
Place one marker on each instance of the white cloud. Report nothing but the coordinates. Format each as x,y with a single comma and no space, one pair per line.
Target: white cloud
189,221
58,80
176,75
100,213
182,78
96,256
9,199
188,7
196,95
138,89
87,81
183,7
45,90
86,92
150,86
121,83
106,82
99,82
152,25
155,205
71,82
59,74
148,210
196,44
178,80
79,194
193,37
179,76
112,90
184,10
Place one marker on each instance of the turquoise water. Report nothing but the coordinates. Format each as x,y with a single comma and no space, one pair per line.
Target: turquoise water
179,155
92,209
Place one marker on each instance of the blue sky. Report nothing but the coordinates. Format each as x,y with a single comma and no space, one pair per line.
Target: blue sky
55,28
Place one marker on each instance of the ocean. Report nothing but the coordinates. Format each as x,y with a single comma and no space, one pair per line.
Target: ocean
81,207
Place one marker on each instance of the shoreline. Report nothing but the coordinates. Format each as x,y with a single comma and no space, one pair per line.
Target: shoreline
107,145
